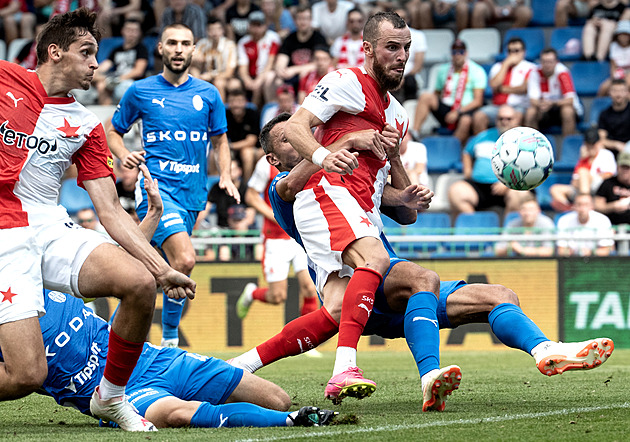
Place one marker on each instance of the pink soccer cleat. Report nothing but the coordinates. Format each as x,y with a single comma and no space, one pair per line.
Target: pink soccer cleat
435,392
349,383
558,357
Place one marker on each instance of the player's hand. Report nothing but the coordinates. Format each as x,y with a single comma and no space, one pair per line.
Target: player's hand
499,189
391,140
417,197
229,187
371,140
133,159
152,189
176,285
341,162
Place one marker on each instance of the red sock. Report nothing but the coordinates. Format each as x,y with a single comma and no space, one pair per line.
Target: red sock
298,336
309,305
122,356
260,294
358,301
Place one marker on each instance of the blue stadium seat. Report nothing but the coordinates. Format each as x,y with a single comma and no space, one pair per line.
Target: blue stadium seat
544,11
534,39
74,198
597,106
106,46
434,223
560,37
509,217
477,223
588,75
151,43
542,192
443,154
570,153
487,93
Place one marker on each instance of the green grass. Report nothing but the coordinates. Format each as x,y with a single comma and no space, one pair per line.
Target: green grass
502,397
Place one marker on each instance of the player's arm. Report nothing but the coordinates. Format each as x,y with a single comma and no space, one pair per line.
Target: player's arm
117,146
254,200
123,229
220,143
150,223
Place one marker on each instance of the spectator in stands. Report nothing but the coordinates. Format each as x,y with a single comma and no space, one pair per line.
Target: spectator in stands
17,20
125,188
278,18
413,156
590,231
113,14
574,9
330,17
125,64
600,27
412,82
594,166
347,50
87,219
458,94
480,188
286,102
323,65
257,53
295,57
237,18
215,58
27,57
437,13
188,13
488,12
614,121
243,128
530,221
619,57
613,196
552,95
508,80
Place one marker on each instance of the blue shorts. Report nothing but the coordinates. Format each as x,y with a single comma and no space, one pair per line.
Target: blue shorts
163,372
386,323
174,219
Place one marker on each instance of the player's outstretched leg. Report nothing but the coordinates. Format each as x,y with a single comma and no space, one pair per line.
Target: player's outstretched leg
442,384
245,300
349,383
558,357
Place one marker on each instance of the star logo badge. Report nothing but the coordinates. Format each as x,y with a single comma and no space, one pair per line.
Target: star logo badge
69,131
365,221
8,295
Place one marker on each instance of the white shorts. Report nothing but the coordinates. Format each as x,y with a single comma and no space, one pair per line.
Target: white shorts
329,219
279,255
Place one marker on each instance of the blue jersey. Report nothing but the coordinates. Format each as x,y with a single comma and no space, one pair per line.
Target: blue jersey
177,123
283,211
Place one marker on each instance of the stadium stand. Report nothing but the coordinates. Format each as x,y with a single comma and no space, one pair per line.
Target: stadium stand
15,47
570,153
74,198
542,192
483,44
559,39
443,154
534,39
588,75
597,106
439,40
544,11
106,46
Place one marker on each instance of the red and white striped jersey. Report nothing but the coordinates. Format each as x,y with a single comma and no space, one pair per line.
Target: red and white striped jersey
261,179
559,85
349,100
515,76
40,137
256,54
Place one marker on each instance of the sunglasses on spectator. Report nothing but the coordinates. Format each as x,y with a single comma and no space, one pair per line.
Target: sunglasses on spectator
85,220
458,51
505,118
514,50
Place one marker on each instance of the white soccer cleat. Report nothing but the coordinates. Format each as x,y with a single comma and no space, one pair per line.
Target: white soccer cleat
120,411
558,357
245,300
169,343
441,385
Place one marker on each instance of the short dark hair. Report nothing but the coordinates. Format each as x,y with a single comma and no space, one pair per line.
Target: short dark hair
618,81
212,20
549,51
65,29
356,10
371,31
516,40
264,133
236,93
176,26
301,9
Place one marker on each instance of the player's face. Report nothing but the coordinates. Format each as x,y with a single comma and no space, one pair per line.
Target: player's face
285,154
177,47
391,53
78,63
529,213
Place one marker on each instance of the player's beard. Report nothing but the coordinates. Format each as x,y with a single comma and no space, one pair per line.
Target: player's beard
387,81
167,63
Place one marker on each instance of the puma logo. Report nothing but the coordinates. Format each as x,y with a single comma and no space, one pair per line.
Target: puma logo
12,97
365,308
160,102
422,318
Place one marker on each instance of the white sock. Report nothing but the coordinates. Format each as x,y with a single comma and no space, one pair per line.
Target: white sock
249,361
291,415
427,376
107,390
346,357
542,346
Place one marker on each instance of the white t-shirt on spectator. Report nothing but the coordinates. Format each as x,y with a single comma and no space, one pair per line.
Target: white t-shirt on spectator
331,24
415,154
620,55
598,226
418,44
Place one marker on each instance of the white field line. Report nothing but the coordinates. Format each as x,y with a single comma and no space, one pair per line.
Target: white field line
507,417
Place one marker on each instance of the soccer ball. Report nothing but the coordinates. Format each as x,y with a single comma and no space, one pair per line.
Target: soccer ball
522,158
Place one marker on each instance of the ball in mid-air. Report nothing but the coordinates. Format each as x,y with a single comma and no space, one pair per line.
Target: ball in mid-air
522,158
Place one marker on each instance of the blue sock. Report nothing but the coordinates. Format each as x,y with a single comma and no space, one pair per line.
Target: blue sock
514,328
422,331
171,315
239,414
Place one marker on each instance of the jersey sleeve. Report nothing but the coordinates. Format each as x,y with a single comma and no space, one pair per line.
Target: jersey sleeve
339,90
566,84
260,177
217,121
93,159
127,111
533,85
282,210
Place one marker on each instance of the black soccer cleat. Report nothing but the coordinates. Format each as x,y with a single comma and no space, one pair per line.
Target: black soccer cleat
313,417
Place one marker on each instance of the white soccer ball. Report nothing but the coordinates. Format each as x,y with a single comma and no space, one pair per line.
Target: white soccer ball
522,158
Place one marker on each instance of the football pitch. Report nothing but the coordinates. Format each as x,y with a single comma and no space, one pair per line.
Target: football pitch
502,397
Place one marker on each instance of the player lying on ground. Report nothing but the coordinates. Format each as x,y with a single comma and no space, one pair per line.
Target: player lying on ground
393,315
169,387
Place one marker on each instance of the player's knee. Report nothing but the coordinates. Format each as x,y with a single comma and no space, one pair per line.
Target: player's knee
184,263
278,399
31,378
424,280
177,417
142,290
503,295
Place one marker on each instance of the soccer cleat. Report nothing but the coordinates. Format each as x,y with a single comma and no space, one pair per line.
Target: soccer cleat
170,343
312,417
120,411
313,353
435,392
245,300
349,383
558,357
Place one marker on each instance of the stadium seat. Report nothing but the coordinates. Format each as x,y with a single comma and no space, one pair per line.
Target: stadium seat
559,39
267,112
534,39
74,198
442,184
542,192
3,50
588,75
570,153
483,45
477,223
435,223
15,47
443,154
150,43
106,46
597,106
440,41
487,93
544,11
509,217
